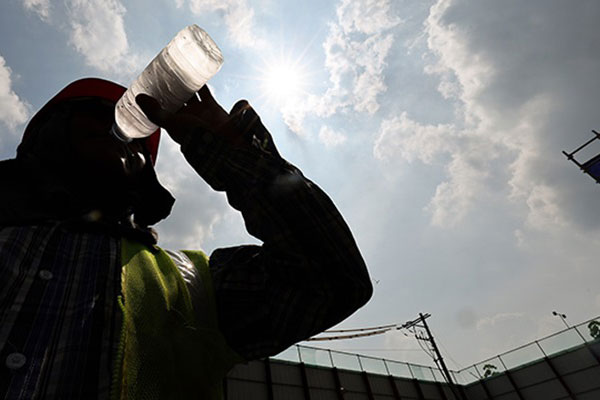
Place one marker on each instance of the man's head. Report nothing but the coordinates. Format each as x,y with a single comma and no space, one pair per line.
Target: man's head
70,139
105,92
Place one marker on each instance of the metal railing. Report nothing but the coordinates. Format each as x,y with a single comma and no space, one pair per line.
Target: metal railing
558,342
357,362
566,339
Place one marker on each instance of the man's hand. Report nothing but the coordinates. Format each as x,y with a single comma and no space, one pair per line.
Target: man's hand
201,111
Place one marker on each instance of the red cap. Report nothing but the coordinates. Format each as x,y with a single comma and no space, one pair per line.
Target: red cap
95,87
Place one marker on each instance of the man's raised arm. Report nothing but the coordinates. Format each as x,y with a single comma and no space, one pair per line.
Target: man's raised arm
309,274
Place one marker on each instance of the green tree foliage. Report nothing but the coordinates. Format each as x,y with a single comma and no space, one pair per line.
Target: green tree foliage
594,327
489,370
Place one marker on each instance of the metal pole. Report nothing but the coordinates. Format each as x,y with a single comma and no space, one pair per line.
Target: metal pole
268,378
304,377
570,155
508,374
439,355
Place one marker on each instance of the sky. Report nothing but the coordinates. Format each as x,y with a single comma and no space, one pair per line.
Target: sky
436,126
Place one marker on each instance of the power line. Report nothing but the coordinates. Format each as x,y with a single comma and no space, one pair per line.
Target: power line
370,331
361,329
353,349
458,366
424,334
352,336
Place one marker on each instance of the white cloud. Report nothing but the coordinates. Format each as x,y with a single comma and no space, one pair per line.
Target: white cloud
96,30
13,110
293,116
522,77
504,331
294,109
405,138
471,166
544,212
497,320
365,16
330,137
198,209
40,7
238,16
355,52
190,232
457,61
453,199
356,49
98,33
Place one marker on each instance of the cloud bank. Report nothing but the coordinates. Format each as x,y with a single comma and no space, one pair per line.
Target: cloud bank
523,79
96,30
238,16
356,48
40,7
98,33
198,210
13,110
330,137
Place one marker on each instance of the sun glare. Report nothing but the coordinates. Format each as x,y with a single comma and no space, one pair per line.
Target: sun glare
284,77
283,82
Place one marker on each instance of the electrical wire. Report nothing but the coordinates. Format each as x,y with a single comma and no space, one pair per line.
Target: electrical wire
340,337
369,331
361,329
423,348
409,326
458,366
353,349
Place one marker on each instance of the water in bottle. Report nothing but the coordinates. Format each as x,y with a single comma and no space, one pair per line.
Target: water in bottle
189,60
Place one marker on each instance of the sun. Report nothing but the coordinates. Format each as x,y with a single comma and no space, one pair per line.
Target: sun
282,81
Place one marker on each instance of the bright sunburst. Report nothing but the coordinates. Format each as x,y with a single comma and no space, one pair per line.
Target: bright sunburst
283,75
284,78
283,81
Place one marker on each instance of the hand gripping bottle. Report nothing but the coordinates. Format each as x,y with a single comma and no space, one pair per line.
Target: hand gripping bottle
189,60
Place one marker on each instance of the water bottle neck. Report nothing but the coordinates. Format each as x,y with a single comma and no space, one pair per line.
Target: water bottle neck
116,132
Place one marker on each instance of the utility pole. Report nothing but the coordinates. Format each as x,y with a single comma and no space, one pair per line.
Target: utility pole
439,359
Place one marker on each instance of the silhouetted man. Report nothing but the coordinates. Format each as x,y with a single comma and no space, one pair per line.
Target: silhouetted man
91,307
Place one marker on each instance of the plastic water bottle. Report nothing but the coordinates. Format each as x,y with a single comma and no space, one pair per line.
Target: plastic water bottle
189,60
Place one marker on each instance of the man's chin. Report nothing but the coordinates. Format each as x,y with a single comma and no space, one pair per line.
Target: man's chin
150,217
152,205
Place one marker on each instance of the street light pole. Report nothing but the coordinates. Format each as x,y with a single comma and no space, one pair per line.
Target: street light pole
563,318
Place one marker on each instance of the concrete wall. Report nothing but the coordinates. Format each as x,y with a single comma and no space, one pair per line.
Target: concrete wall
279,380
572,374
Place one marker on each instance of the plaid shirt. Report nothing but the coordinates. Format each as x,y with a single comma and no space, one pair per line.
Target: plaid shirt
59,317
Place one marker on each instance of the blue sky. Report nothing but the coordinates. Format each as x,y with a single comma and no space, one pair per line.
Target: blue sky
436,126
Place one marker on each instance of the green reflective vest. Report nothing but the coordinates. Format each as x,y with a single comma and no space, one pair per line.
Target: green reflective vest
164,353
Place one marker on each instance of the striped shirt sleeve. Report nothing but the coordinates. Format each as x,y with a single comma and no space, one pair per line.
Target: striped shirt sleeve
308,274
